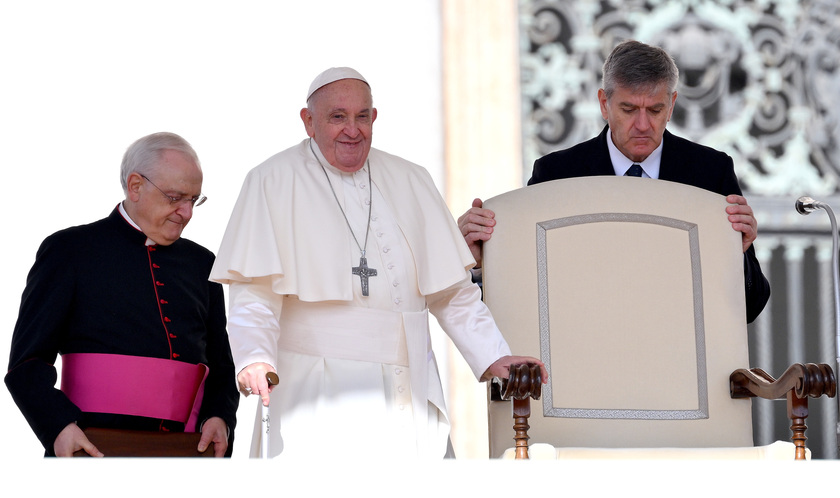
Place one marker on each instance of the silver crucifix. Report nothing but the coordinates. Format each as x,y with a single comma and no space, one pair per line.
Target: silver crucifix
364,272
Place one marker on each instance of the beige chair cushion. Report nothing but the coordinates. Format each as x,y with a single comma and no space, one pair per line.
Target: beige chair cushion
780,450
631,291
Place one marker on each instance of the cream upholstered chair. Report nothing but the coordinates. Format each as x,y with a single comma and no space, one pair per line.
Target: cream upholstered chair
631,291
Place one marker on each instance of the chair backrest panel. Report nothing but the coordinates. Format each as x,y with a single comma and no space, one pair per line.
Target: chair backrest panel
631,291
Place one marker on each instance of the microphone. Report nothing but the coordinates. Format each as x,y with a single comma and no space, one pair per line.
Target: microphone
804,206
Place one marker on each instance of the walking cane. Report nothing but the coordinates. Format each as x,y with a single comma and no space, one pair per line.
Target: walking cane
272,380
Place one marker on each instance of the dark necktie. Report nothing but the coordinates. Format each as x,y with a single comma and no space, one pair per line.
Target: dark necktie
634,170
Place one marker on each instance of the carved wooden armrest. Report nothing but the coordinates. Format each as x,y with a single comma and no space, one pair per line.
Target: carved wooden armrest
797,384
524,382
810,379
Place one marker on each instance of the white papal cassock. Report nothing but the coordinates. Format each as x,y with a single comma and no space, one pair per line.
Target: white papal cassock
358,377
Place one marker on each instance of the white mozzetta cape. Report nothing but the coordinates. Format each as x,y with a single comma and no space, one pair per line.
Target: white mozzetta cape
285,226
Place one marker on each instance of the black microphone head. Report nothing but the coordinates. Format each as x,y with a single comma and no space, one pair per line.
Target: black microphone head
805,205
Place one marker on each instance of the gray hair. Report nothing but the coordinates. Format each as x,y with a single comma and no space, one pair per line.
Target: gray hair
144,154
637,66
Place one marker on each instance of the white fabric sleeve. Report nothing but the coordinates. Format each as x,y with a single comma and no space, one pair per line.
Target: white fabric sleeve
254,322
467,321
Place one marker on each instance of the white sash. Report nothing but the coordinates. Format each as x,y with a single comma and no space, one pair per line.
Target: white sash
346,332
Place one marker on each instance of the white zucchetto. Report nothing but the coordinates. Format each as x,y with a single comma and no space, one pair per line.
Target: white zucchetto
332,75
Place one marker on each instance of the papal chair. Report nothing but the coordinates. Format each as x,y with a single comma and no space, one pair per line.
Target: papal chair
631,291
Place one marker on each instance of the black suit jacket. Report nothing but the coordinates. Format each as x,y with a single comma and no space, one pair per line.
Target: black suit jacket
682,161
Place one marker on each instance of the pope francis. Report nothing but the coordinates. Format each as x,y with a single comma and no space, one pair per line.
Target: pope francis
335,253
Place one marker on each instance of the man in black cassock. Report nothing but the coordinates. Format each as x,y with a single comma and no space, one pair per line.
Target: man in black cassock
117,294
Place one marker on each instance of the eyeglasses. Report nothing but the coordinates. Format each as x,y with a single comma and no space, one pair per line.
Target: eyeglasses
195,201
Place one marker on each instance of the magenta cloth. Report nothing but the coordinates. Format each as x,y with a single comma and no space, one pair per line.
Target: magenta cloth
134,385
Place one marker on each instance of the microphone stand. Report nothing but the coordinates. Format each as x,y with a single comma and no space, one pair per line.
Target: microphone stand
806,205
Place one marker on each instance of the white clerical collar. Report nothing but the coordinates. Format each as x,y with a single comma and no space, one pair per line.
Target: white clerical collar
622,163
126,217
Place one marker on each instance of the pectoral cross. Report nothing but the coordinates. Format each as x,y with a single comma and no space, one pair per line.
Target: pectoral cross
364,272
